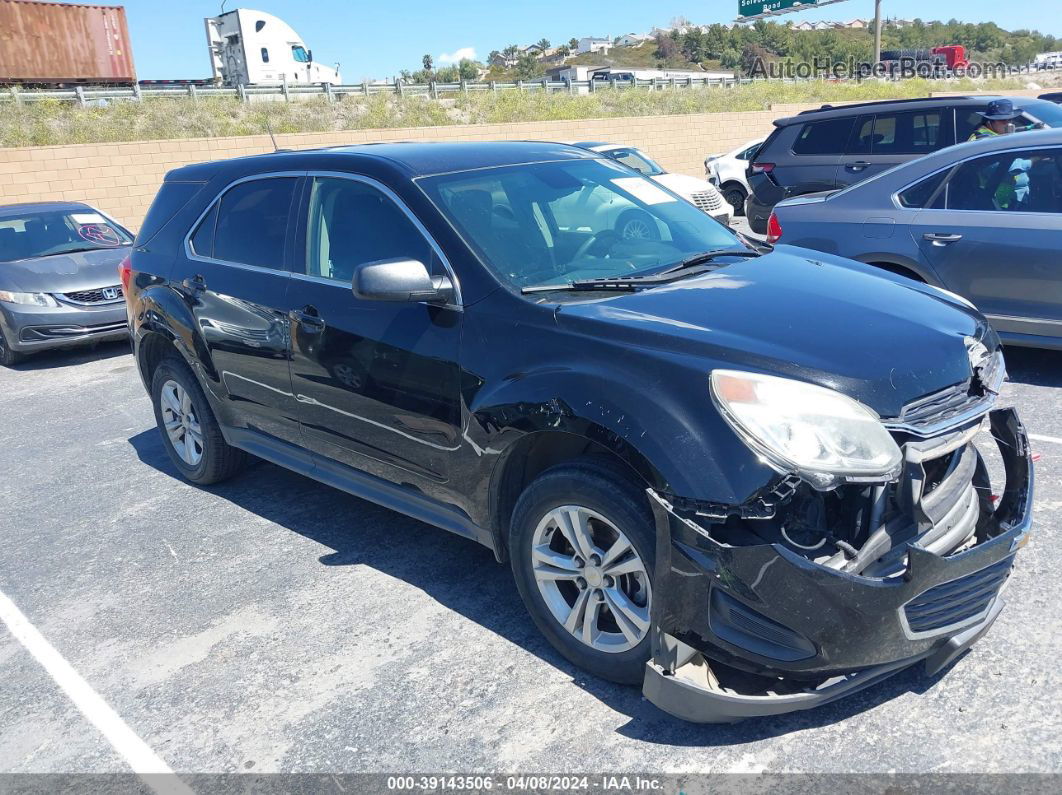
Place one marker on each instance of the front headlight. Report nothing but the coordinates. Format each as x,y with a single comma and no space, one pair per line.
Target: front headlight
37,299
817,433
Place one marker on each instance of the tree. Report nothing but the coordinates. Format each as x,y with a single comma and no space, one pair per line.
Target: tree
666,47
429,63
693,46
467,69
564,51
494,55
543,45
511,51
527,66
573,44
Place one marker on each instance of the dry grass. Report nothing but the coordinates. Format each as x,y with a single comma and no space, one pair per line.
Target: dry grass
52,122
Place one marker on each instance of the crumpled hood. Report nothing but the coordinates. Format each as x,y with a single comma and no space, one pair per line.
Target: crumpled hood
63,273
881,339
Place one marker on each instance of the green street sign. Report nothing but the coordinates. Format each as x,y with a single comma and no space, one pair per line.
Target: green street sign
753,8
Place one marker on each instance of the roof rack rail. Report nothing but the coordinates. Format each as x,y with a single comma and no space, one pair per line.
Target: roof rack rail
876,102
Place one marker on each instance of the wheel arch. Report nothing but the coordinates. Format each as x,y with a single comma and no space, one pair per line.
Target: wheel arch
541,450
901,266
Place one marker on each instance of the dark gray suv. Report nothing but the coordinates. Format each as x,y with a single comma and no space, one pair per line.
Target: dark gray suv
834,147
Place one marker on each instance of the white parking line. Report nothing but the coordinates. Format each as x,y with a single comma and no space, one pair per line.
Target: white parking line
1038,438
144,762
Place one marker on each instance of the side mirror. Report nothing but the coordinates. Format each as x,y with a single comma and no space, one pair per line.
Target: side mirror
405,280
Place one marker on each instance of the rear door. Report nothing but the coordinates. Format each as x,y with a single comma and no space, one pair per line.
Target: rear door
994,233
816,153
234,278
882,141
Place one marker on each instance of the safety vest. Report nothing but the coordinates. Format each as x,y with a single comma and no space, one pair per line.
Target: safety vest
982,132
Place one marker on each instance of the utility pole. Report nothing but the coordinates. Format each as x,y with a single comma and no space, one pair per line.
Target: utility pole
877,31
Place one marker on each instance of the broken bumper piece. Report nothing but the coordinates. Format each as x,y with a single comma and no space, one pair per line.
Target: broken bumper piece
746,631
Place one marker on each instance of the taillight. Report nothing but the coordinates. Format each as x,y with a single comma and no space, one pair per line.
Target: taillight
762,168
125,273
774,229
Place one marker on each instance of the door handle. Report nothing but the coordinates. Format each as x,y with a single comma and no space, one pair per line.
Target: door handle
940,239
195,284
309,318
859,165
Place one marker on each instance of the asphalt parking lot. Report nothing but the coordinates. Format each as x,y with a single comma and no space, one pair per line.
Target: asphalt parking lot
273,624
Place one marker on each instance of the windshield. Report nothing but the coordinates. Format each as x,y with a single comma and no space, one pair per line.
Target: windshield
43,234
552,223
1047,112
639,161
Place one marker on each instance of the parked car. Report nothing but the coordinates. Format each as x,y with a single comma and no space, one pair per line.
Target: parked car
59,277
739,477
833,147
983,219
727,173
698,192
1053,96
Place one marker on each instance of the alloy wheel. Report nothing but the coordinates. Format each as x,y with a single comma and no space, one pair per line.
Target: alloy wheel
636,229
591,578
181,423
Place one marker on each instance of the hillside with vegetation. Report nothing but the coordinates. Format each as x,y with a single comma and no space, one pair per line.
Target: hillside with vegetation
716,47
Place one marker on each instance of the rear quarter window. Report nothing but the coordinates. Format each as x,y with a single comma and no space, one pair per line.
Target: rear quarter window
824,137
170,199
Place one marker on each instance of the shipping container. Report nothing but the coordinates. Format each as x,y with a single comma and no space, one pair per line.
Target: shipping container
63,43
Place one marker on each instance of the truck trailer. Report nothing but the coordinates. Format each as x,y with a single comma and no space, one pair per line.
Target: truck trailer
64,43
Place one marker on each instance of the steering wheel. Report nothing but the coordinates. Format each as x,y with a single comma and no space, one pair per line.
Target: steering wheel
606,236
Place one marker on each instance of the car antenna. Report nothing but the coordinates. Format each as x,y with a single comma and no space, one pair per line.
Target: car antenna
273,138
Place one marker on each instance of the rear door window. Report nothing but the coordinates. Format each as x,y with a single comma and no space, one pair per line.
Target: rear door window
253,221
912,133
925,193
824,137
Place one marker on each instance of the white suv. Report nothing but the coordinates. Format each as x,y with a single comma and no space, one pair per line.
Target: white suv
727,173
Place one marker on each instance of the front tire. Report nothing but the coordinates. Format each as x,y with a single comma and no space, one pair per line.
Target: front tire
190,432
637,225
582,551
8,357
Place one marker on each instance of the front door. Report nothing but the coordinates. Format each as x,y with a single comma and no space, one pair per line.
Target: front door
377,383
235,281
994,235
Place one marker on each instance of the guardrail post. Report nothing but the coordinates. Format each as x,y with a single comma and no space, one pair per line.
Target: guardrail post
433,88
520,85
137,95
365,87
568,82
15,96
284,87
612,83
464,86
656,84
494,86
545,84
80,91
400,87
192,93
329,96
241,92
591,86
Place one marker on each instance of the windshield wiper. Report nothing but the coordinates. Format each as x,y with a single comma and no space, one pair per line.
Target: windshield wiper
80,249
691,266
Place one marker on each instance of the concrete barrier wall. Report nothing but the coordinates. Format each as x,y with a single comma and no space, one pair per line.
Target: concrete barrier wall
122,178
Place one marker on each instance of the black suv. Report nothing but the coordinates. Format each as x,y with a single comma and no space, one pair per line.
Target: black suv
743,477
834,147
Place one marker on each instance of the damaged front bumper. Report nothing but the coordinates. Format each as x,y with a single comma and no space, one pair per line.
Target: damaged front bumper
743,631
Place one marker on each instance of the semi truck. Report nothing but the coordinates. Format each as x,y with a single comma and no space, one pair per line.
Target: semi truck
249,47
933,62
50,44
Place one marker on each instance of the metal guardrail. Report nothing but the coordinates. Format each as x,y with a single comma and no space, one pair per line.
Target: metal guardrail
86,95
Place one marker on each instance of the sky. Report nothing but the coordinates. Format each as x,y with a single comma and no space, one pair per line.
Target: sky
380,38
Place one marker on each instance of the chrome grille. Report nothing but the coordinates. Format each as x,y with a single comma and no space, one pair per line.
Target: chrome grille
709,202
104,295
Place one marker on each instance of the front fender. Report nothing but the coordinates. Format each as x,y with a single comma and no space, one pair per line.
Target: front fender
672,436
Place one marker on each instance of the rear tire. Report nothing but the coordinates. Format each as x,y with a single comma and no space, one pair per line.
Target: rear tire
637,225
591,521
735,196
190,432
8,357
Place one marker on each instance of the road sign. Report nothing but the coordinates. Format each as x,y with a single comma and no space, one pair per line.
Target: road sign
754,8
